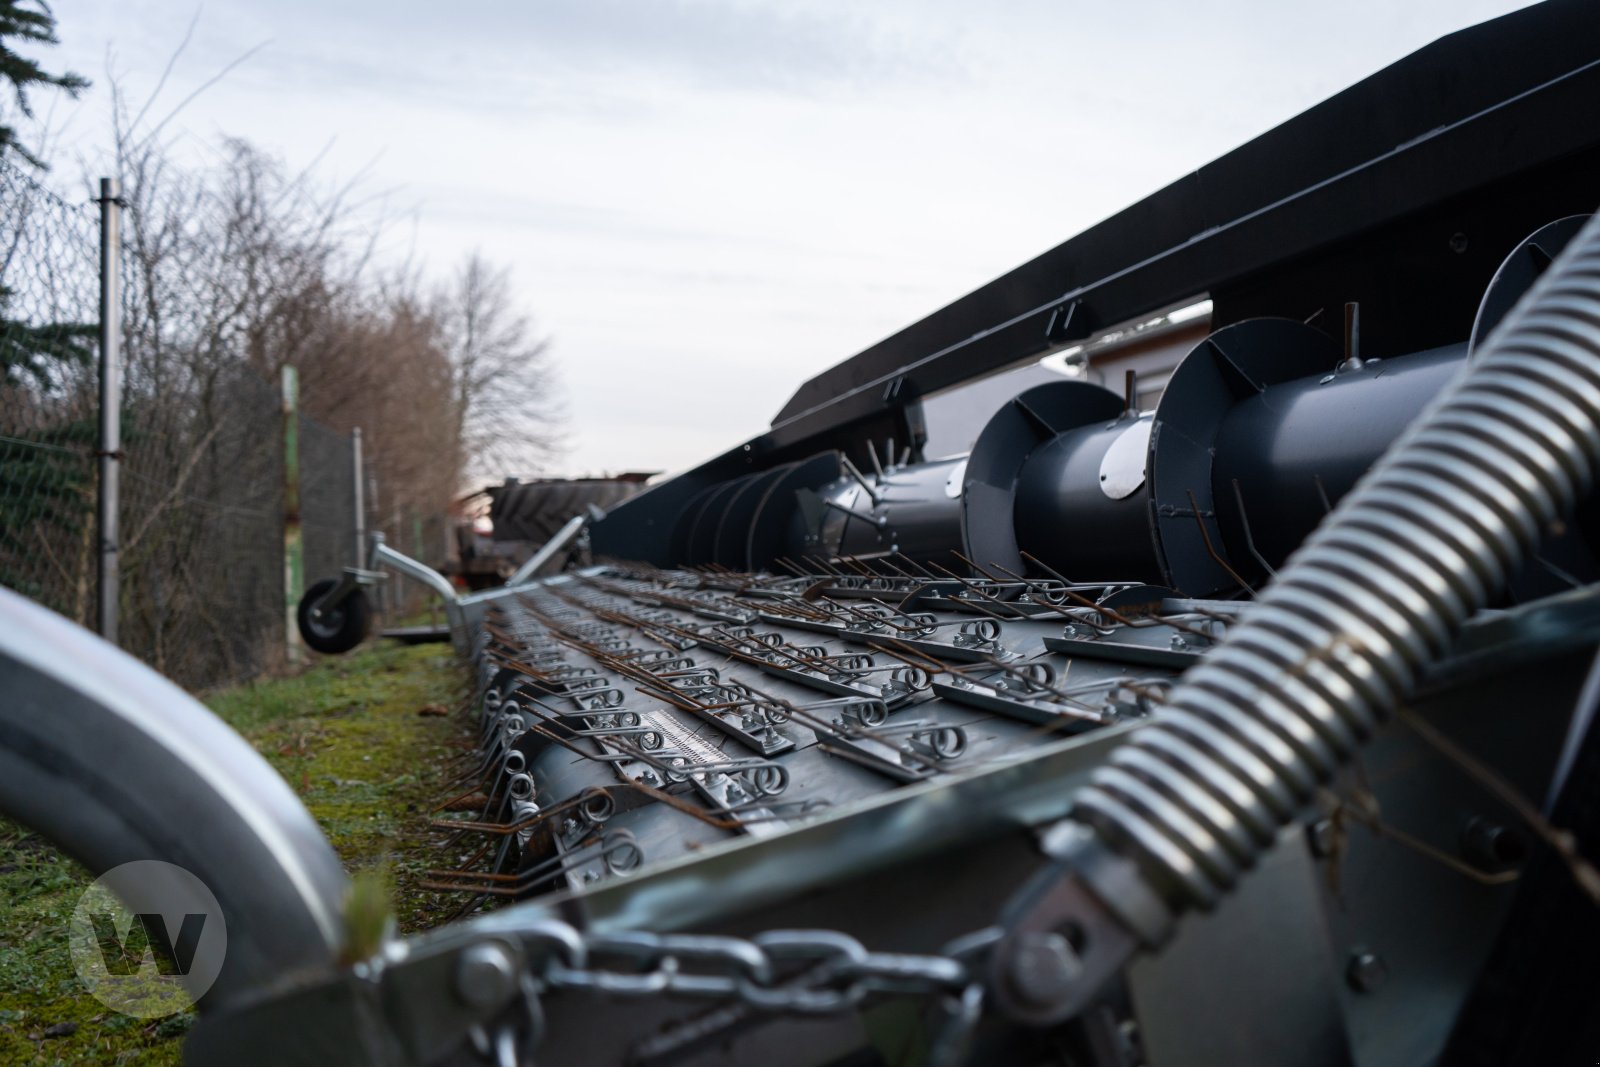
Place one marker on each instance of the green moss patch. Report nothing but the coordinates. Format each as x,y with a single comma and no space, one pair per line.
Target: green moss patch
347,736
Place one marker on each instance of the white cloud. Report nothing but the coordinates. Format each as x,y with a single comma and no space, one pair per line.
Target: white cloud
707,203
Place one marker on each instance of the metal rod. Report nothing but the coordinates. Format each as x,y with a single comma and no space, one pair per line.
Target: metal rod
1352,337
1216,557
860,479
548,550
878,521
110,451
383,555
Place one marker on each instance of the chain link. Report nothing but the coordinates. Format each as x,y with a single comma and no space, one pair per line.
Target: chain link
805,972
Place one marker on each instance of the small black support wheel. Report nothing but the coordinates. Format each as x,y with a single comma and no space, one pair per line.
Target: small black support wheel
336,629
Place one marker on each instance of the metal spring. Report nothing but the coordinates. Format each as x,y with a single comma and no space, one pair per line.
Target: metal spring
1427,538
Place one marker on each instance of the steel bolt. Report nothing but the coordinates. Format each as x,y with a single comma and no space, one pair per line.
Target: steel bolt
486,976
1043,968
1366,972
1492,847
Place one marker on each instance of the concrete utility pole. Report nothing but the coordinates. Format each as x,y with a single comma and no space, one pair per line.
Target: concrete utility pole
110,450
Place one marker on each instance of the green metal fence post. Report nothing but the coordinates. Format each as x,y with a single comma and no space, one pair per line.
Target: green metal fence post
293,552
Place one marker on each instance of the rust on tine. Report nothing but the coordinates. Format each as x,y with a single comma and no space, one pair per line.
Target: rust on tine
913,563
1112,613
1322,494
973,588
915,657
1250,541
1205,536
861,568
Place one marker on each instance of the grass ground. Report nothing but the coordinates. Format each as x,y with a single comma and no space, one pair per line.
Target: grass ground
348,737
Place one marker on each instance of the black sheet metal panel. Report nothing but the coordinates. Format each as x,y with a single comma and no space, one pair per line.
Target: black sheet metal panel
1467,111
1017,431
1296,447
1226,368
1070,521
534,511
702,539
732,546
1520,270
771,529
1417,180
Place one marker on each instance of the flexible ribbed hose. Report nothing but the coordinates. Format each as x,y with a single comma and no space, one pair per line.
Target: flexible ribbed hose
1378,592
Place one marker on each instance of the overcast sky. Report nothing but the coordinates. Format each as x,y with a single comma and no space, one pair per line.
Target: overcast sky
705,202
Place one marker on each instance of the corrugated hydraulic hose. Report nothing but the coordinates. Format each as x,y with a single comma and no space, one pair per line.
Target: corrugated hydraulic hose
1428,537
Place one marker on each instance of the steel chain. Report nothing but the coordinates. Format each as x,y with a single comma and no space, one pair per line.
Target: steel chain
788,971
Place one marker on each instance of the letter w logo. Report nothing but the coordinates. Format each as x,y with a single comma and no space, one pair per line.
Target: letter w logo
148,930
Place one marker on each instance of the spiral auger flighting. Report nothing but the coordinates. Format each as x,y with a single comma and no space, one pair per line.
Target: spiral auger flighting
1341,637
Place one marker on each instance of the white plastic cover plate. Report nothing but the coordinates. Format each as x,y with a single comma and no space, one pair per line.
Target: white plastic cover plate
1122,467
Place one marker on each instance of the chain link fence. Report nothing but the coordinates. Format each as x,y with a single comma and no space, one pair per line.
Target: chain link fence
202,538
49,325
327,500
202,533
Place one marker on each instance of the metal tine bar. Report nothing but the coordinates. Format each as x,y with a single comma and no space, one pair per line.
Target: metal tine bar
787,564
872,454
482,880
616,735
1140,685
991,662
933,624
973,587
868,616
1042,590
730,767
868,562
1112,613
826,569
1205,535
851,561
525,823
805,713
1017,670
858,730
805,611
913,563
634,753
602,846
1249,541
784,649
911,655
1322,494
900,573
861,479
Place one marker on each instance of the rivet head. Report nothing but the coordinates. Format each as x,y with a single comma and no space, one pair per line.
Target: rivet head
486,975
1366,972
1043,968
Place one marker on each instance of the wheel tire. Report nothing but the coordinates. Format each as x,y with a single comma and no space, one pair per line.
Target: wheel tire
337,629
